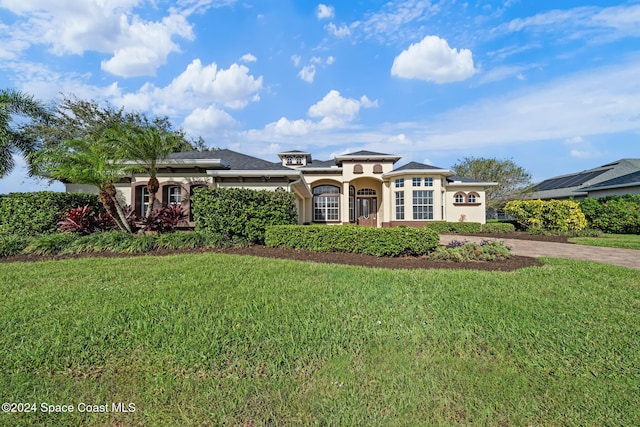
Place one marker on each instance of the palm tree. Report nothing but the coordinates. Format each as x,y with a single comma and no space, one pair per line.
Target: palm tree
89,162
14,102
147,147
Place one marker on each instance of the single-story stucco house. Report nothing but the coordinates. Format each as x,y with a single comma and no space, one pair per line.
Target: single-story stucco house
357,188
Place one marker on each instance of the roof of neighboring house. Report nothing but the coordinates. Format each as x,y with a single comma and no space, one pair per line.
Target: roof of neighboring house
232,159
575,184
628,180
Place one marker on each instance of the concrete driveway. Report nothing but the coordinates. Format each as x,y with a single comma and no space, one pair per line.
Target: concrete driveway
531,248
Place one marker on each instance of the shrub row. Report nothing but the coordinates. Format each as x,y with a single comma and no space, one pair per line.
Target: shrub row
552,215
241,213
29,214
108,241
353,239
616,214
470,227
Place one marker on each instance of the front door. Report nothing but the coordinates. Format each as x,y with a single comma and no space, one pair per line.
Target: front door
367,211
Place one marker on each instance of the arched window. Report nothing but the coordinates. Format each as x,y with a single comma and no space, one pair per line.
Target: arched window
326,203
358,168
472,198
377,168
459,198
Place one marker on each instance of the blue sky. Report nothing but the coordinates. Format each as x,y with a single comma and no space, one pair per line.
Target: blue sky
555,89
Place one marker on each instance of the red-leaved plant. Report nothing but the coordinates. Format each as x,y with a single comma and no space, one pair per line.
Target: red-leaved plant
164,220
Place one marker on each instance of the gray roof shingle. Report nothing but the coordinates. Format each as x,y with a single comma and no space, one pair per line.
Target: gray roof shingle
235,160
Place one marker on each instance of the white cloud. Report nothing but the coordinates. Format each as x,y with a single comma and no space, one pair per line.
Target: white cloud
138,46
203,121
433,60
324,11
394,21
336,109
575,140
330,113
308,73
502,73
296,60
330,60
341,31
247,57
601,23
198,85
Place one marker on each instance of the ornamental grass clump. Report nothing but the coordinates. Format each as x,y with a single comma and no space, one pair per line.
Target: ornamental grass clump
486,250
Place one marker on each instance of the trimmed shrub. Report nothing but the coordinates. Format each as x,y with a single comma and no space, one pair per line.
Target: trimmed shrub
352,239
498,227
240,213
30,214
615,214
442,227
552,215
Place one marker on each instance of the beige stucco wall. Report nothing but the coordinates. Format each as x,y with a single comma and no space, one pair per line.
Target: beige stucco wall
462,212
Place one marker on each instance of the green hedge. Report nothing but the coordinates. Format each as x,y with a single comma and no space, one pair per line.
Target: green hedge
498,227
551,215
29,214
470,227
455,227
616,214
353,239
240,213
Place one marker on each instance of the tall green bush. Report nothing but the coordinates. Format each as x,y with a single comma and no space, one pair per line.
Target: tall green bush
614,214
35,213
551,215
241,213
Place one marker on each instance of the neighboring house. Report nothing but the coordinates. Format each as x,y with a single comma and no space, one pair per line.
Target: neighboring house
612,179
358,188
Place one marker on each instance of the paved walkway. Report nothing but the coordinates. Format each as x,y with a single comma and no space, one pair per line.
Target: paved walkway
624,257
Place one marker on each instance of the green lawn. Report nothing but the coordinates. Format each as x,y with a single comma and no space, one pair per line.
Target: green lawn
212,339
627,241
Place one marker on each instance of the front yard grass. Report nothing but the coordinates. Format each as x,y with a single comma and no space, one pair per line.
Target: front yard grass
626,241
212,339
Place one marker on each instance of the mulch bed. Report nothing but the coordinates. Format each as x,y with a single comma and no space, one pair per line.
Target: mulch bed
511,264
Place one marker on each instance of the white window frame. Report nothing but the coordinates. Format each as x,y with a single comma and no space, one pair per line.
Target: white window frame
399,182
326,205
399,200
422,204
428,182
174,195
416,182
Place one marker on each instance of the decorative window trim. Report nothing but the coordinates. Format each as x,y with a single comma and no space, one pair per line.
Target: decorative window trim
357,169
366,192
377,168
